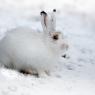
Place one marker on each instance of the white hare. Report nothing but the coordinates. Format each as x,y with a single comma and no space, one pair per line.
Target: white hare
33,52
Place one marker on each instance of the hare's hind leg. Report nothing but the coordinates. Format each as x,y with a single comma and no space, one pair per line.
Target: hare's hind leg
25,71
34,73
29,72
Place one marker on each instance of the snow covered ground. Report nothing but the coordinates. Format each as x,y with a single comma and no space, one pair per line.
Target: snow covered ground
74,76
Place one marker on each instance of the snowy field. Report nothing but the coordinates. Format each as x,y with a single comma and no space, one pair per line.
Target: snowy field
73,76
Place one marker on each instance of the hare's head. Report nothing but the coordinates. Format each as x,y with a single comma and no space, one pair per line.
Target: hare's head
54,39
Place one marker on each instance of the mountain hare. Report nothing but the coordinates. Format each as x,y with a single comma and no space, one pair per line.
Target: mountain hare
33,52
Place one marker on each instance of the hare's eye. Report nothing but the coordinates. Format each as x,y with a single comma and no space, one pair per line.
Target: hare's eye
55,37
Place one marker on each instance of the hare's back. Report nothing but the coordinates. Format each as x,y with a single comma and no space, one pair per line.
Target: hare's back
24,37
24,33
22,40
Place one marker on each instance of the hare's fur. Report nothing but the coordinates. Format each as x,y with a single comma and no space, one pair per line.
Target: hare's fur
25,49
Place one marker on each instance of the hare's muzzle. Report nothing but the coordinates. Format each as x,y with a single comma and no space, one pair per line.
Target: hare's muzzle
65,47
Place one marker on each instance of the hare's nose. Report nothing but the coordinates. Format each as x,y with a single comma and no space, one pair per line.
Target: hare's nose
64,56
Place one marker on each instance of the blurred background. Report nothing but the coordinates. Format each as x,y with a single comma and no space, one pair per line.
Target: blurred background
30,9
82,5
76,20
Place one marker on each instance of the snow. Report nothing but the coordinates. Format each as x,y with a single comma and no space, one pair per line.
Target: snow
73,76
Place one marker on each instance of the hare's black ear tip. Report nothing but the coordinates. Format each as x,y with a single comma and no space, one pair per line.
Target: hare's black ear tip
54,10
43,12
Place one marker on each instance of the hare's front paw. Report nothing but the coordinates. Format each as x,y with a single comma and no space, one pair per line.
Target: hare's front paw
43,74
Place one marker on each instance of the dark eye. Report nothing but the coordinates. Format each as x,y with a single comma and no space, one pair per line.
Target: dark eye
55,37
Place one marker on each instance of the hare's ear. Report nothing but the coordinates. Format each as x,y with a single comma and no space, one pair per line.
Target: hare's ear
44,21
53,20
